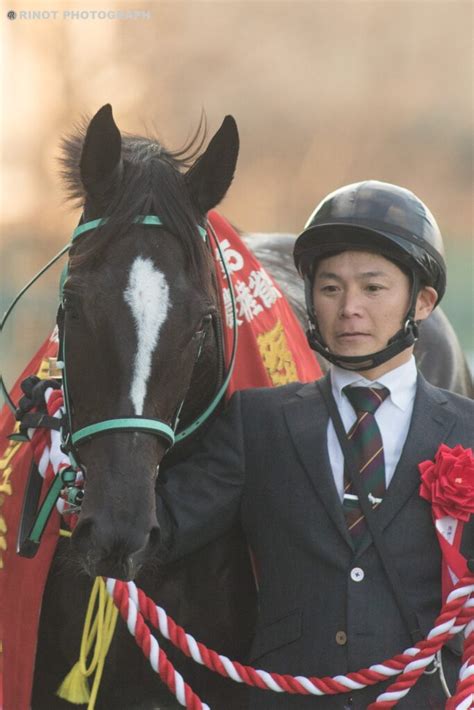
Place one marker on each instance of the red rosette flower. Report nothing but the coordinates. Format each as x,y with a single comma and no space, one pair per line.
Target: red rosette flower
448,482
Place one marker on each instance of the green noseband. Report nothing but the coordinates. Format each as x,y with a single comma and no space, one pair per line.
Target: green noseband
149,426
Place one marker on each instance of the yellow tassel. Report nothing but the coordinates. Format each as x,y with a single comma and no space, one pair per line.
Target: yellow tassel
98,634
75,688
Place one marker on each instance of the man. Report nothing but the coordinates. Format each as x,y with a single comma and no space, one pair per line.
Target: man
371,259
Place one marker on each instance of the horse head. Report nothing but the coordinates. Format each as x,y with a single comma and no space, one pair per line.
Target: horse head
139,304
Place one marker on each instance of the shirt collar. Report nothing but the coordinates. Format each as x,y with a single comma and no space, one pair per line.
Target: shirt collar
401,382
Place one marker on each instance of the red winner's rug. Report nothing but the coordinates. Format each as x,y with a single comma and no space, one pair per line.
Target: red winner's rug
272,350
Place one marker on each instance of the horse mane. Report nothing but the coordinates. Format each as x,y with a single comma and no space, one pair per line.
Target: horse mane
152,183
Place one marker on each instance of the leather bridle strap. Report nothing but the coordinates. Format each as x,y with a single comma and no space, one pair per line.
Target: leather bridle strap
223,388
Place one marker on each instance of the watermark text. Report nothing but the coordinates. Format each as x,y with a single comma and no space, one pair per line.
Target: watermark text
75,15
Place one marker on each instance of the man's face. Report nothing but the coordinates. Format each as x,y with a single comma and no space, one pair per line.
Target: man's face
360,299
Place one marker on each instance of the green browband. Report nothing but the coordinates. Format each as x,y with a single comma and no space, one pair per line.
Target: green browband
141,219
150,219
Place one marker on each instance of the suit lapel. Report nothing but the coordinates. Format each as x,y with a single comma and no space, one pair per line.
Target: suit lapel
430,425
307,421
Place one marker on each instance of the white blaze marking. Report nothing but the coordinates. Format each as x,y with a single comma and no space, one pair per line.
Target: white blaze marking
147,294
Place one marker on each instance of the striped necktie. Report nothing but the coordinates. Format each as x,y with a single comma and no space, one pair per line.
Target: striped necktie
367,444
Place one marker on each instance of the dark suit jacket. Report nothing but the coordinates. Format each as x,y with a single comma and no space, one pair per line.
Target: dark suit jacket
266,462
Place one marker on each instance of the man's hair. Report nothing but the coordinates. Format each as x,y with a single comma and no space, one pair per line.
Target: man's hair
379,252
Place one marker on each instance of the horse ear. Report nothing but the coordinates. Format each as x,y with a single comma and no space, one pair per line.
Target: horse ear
211,175
101,163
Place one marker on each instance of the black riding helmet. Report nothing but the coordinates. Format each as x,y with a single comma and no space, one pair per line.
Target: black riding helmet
383,218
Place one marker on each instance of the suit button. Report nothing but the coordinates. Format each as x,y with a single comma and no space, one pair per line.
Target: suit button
341,638
357,574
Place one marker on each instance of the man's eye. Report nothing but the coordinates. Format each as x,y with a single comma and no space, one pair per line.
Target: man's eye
374,287
330,288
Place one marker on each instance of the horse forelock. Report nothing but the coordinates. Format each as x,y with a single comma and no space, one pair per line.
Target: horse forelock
152,183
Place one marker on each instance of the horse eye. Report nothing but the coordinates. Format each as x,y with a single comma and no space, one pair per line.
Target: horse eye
70,306
205,322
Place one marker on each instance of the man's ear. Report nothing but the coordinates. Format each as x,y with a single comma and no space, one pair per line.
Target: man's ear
425,302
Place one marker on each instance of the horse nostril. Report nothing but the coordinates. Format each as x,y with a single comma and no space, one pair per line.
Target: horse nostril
154,537
113,551
82,535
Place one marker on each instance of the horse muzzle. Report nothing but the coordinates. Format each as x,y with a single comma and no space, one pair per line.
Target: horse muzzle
108,551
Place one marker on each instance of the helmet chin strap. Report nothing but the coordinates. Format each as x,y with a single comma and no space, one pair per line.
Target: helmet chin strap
403,338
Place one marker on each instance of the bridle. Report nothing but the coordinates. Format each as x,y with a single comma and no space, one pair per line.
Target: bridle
156,427
167,431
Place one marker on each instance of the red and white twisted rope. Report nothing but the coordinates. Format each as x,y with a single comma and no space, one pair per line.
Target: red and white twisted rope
463,698
457,615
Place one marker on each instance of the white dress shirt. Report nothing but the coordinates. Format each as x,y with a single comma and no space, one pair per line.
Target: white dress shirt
393,416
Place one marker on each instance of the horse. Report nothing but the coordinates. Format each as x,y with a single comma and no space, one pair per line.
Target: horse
142,336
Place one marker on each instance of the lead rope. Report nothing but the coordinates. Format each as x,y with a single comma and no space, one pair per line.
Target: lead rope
456,615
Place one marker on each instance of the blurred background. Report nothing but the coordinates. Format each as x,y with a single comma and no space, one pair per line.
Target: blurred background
324,93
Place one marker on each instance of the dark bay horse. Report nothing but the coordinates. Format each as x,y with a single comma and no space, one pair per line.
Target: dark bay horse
139,303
